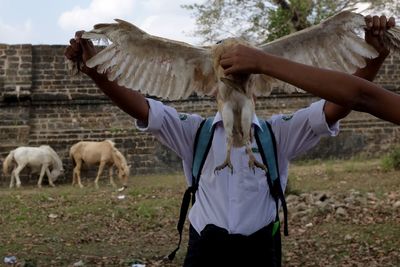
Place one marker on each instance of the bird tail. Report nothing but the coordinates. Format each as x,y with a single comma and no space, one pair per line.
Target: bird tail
237,135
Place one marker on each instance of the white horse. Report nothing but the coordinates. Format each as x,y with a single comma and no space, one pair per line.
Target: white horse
39,159
102,153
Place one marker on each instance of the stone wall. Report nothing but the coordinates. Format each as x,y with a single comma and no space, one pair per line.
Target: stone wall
40,103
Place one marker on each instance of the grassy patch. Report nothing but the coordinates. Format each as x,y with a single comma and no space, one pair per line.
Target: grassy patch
62,225
342,176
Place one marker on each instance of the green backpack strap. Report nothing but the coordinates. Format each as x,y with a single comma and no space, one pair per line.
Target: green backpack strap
202,144
265,139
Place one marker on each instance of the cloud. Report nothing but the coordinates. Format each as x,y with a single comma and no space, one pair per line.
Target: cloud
98,11
166,7
162,18
17,34
168,19
171,27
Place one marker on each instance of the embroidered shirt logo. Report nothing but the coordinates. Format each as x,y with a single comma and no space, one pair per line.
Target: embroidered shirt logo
183,116
287,117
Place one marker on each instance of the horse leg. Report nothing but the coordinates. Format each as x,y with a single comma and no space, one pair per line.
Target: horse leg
73,177
101,168
42,171
76,176
110,171
12,178
50,178
16,174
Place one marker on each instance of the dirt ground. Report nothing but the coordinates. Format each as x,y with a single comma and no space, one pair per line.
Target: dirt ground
341,213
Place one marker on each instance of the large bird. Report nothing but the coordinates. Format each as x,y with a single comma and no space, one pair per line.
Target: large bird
174,70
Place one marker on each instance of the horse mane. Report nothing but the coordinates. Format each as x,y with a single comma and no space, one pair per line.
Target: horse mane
117,155
55,157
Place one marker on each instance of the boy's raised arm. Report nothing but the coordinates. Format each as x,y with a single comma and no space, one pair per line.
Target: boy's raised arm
132,102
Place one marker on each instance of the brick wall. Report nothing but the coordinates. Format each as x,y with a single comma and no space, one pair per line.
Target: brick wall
40,103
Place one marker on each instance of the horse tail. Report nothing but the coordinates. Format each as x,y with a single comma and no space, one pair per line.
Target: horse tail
7,163
71,154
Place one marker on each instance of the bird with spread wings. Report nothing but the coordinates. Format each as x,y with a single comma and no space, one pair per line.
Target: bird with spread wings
175,70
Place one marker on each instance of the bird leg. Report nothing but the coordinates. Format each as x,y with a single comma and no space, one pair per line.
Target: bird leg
253,163
227,162
246,121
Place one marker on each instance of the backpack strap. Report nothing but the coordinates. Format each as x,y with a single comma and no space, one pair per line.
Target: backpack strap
202,144
265,139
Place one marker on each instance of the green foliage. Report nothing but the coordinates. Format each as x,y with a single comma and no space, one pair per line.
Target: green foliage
392,160
259,21
279,24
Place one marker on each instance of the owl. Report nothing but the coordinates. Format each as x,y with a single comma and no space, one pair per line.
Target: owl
174,70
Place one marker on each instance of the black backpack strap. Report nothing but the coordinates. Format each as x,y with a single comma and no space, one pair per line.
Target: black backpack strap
182,218
265,139
202,144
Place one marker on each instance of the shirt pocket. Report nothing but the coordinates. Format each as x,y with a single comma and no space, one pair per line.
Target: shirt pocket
253,180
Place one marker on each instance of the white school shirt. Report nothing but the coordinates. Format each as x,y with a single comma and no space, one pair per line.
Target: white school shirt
240,201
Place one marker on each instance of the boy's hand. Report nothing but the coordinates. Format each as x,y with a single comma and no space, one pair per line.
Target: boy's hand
376,27
241,59
79,51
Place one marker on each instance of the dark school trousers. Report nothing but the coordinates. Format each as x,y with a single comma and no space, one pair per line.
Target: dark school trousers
216,247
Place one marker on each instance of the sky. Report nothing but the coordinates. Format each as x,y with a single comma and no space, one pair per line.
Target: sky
56,21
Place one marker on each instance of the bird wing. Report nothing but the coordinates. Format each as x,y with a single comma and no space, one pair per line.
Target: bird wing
333,44
155,66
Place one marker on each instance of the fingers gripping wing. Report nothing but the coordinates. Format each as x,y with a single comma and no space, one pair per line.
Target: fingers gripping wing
332,44
152,65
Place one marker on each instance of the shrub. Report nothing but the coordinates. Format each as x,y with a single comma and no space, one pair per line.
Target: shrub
392,160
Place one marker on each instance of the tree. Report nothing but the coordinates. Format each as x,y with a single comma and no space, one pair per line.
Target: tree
258,20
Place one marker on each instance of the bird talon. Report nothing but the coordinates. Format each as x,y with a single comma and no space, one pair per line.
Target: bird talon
254,163
222,166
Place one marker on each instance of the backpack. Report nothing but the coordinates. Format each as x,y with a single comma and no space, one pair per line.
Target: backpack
266,143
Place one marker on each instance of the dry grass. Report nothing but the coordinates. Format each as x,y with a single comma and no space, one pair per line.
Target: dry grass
60,226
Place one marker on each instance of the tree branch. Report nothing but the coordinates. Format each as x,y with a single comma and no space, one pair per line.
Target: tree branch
283,4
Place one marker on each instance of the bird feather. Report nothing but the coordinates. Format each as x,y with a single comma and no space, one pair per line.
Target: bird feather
174,70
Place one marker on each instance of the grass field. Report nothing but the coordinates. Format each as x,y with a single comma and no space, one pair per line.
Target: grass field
64,225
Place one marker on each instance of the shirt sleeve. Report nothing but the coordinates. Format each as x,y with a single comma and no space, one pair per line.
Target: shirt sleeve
175,130
299,132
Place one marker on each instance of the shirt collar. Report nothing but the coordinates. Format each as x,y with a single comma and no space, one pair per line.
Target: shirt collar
218,118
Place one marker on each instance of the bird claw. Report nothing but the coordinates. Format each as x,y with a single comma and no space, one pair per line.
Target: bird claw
222,166
254,163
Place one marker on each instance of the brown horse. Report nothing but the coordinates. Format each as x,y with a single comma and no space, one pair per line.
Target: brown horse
103,153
